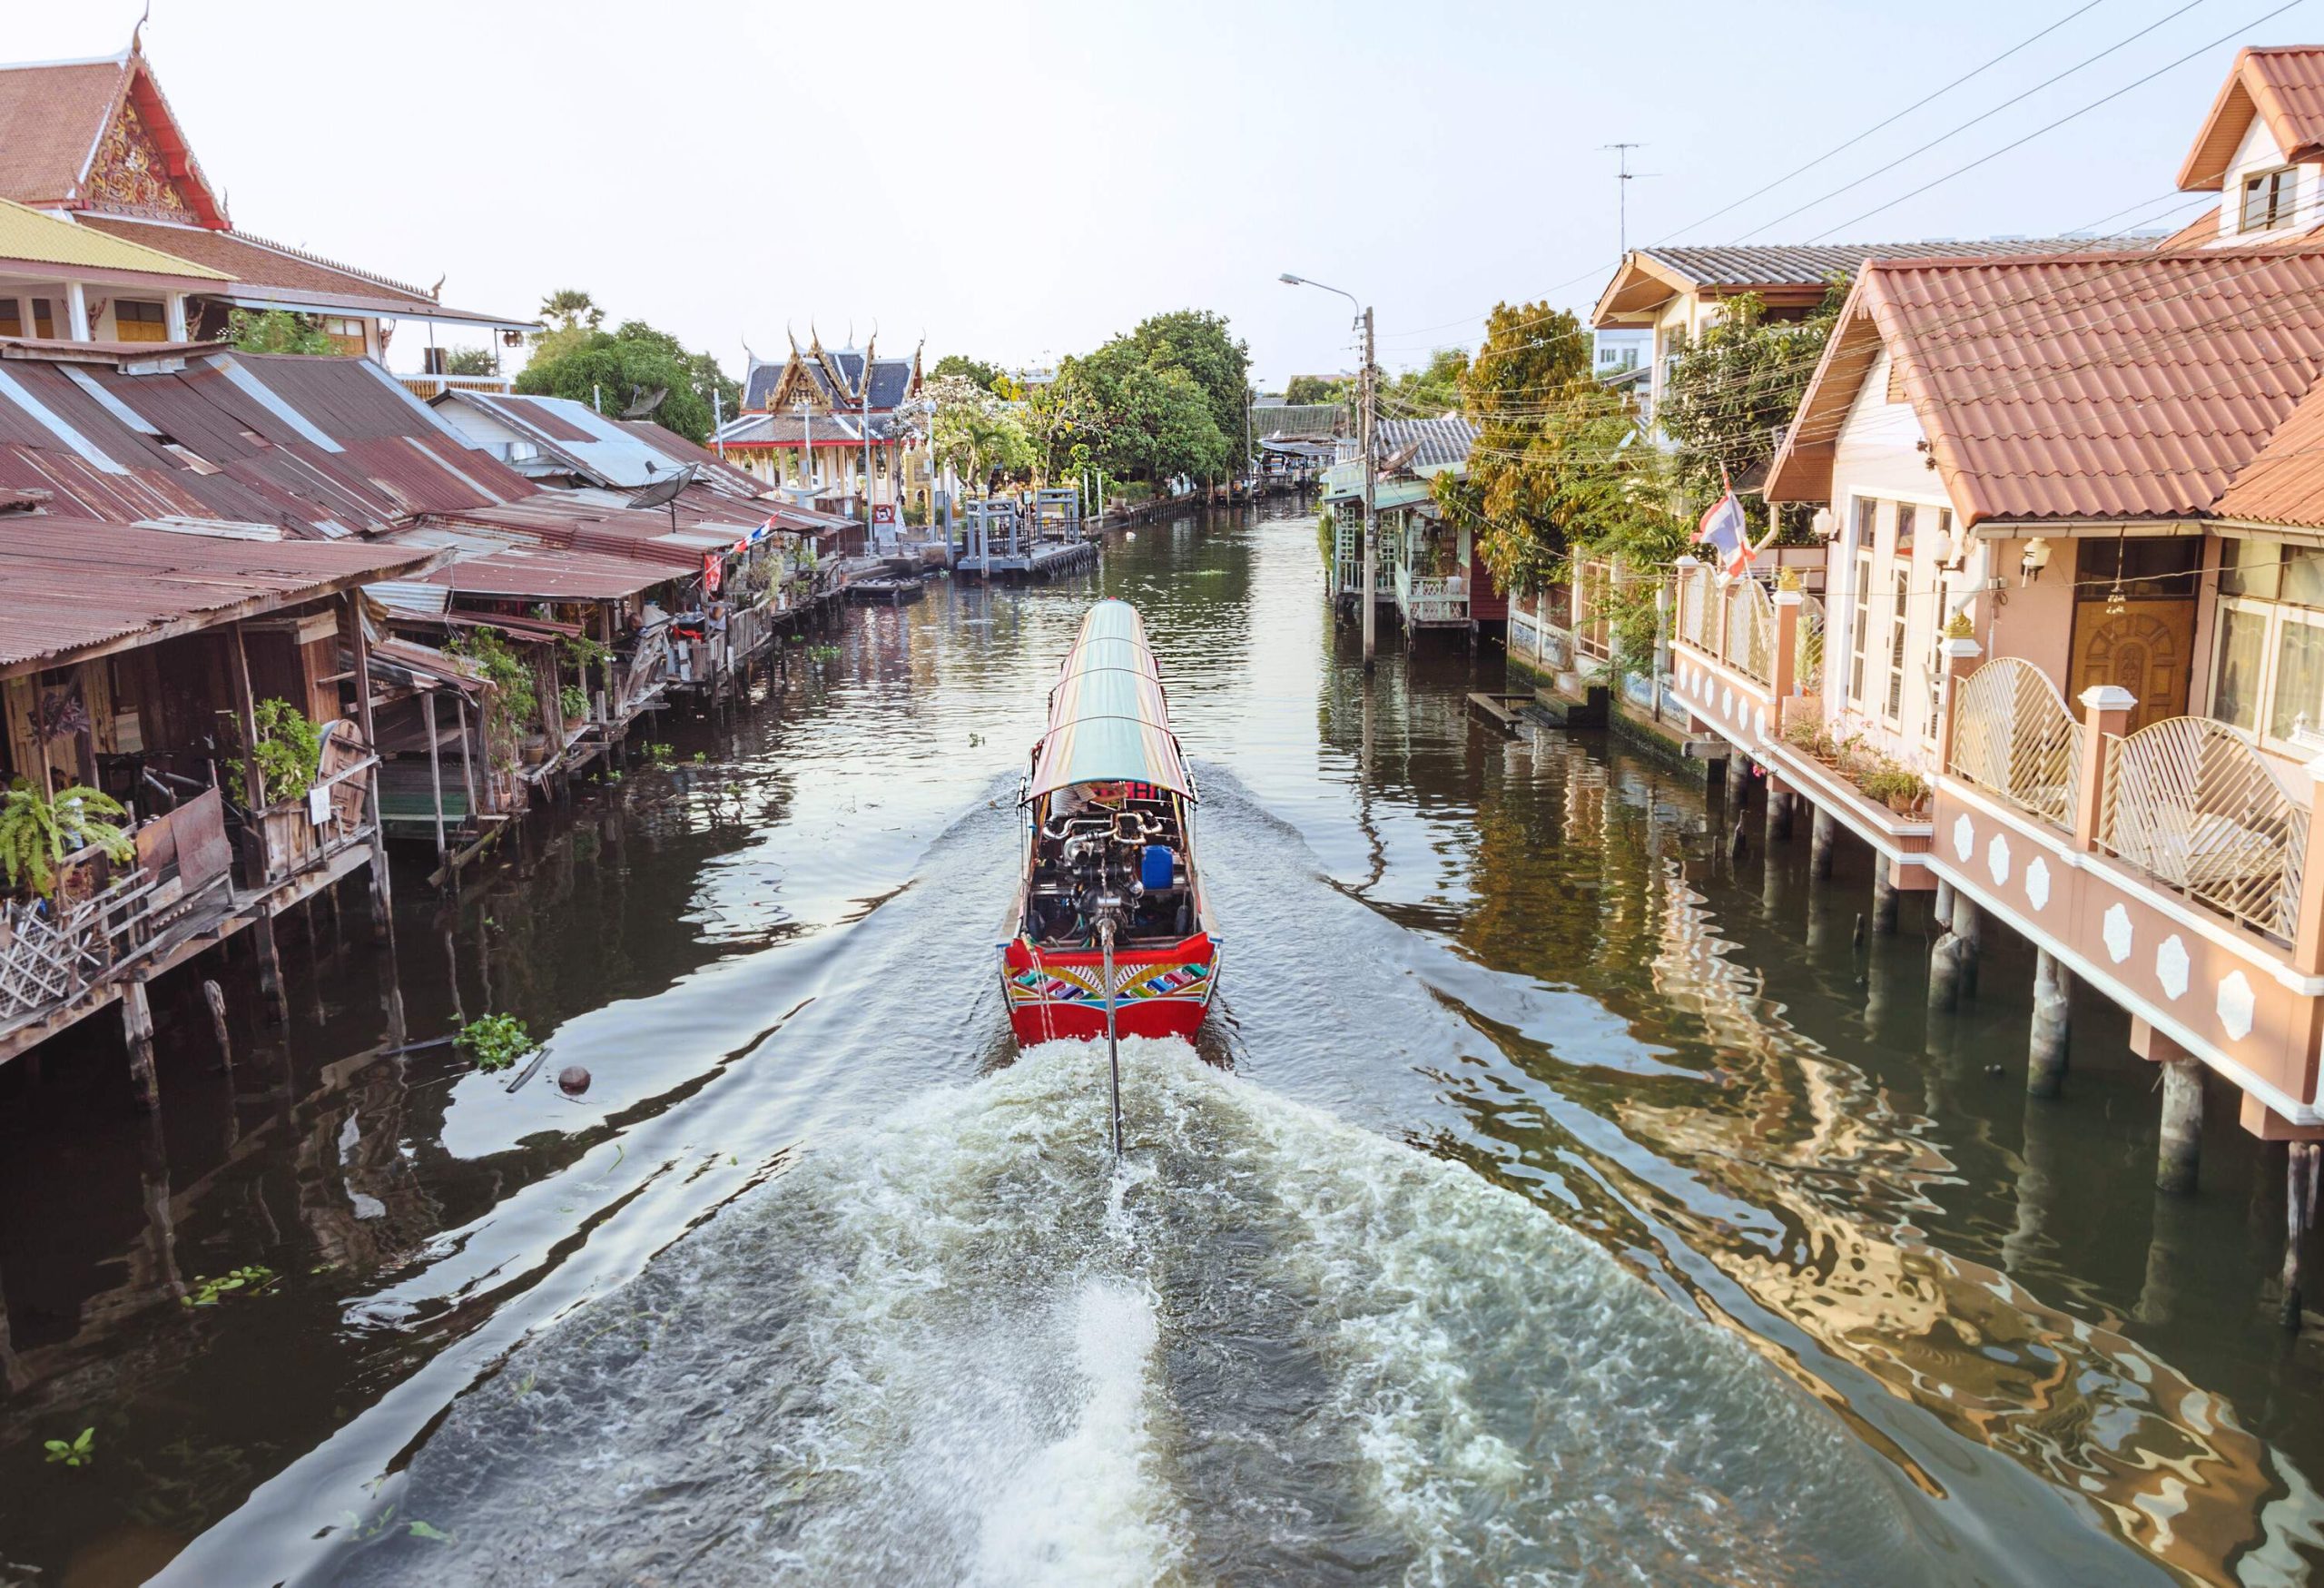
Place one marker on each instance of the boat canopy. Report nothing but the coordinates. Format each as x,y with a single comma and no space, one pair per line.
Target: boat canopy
1108,721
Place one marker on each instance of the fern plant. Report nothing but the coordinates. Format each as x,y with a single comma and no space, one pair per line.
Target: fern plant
37,833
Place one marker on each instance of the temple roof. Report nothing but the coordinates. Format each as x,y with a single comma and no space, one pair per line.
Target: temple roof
97,134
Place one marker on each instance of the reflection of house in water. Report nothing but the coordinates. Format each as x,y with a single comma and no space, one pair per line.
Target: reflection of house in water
2079,1402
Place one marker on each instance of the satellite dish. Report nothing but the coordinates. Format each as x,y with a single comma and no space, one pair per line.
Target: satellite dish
663,492
645,406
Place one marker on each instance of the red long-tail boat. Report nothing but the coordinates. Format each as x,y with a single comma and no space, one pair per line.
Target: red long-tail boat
1110,930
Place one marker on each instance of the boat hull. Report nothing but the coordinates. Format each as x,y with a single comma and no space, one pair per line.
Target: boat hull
1158,992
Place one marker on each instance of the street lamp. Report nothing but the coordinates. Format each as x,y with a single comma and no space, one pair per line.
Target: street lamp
1363,417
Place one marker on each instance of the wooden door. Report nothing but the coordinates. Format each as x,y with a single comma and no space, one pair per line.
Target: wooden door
2148,649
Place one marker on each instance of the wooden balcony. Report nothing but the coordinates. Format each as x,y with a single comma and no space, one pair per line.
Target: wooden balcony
2174,868
65,957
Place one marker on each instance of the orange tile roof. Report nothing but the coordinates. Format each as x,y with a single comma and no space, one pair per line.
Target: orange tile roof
50,117
2284,86
2096,386
258,263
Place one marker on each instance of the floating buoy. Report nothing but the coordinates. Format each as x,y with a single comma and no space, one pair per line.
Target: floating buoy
573,1080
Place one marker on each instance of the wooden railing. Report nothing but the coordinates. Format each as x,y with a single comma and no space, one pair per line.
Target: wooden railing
54,949
2189,802
2013,734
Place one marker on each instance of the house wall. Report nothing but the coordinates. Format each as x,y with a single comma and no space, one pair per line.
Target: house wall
1876,458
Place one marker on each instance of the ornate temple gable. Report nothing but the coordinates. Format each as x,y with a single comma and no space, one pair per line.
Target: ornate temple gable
129,175
141,164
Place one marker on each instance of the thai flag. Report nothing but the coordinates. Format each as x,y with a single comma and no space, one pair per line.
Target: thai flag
1723,530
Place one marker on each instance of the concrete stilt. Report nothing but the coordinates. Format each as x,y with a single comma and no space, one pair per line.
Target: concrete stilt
1738,784
1883,897
2045,1050
2173,1252
269,972
1779,804
1952,958
2299,1212
2180,1150
137,1031
2029,1239
1969,928
1823,837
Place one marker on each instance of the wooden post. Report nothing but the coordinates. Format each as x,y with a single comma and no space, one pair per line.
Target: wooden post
467,762
2106,712
253,781
435,767
137,1031
2299,1212
269,968
2045,1055
361,642
215,997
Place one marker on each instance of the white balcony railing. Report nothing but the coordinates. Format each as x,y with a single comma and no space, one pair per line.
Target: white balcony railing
1432,600
2013,734
2189,800
424,387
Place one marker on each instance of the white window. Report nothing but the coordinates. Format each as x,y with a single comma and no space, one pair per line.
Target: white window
2267,670
1867,515
1900,594
2267,199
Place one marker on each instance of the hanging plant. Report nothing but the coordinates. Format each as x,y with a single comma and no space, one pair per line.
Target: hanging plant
37,833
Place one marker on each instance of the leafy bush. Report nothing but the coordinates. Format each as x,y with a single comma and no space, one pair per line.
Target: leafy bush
290,750
574,701
37,832
78,1452
520,706
496,1041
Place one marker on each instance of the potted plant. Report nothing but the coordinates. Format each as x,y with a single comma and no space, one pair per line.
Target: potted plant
37,833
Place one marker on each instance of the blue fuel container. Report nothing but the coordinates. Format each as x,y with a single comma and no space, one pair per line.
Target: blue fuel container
1158,868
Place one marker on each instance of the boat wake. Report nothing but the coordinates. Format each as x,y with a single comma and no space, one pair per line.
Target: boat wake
959,1345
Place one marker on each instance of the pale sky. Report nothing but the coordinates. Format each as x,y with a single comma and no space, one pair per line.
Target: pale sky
1019,180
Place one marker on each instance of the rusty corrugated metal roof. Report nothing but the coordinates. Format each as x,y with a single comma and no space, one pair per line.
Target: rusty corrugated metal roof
74,586
2105,386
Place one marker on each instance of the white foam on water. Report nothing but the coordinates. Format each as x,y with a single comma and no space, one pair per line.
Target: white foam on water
958,1344
1084,1508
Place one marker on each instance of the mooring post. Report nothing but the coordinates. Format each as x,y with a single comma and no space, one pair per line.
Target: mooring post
1823,836
2299,1212
2045,1051
1883,897
137,1031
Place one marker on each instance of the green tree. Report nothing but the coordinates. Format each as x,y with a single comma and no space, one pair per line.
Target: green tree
623,365
1196,342
1725,396
276,330
1307,389
1433,389
1149,422
471,361
988,376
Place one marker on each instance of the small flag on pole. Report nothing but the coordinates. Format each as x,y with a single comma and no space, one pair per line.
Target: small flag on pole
1723,530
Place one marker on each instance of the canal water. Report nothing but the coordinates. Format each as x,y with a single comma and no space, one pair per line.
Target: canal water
1554,1197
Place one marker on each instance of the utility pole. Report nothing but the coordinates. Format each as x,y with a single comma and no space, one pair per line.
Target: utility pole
718,422
1371,483
806,447
1622,180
